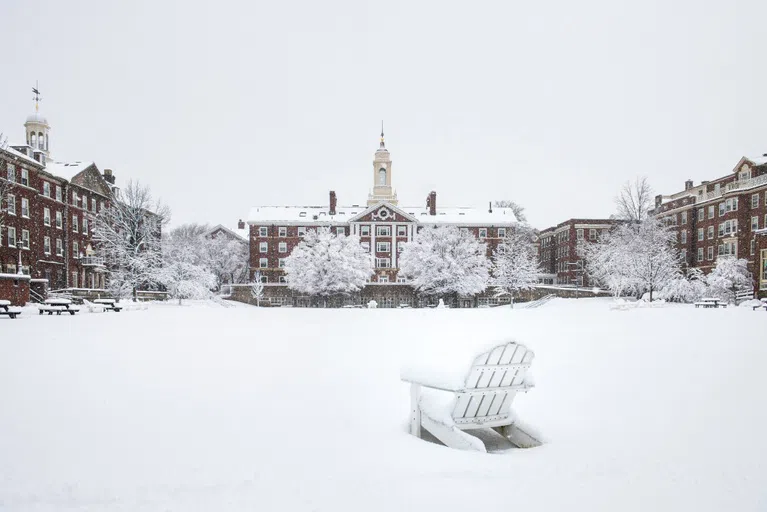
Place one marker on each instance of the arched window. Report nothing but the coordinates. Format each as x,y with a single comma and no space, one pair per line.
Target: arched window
41,140
382,176
33,140
46,142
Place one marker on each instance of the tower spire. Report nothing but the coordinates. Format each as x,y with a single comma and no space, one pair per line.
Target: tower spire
37,96
382,136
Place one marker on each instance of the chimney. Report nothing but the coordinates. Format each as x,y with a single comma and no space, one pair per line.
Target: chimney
333,202
688,184
240,224
431,203
490,207
658,200
109,177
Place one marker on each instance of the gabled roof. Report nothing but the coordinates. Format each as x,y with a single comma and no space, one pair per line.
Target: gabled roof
67,170
18,154
389,206
242,234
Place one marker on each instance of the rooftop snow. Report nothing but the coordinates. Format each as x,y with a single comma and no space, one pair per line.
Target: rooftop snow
447,215
67,170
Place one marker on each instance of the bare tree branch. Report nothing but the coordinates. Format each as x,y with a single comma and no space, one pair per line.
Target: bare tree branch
634,201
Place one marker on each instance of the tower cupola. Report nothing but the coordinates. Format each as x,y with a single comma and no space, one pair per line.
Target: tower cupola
382,189
37,128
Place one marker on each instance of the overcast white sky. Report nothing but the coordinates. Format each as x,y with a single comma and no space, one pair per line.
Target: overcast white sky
222,105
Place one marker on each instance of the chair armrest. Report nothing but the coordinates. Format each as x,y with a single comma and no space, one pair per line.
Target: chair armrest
432,385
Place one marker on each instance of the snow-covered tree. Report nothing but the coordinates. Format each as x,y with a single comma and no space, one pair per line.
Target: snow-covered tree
515,264
227,259
635,200
730,276
634,258
325,264
127,234
257,288
443,260
182,273
685,288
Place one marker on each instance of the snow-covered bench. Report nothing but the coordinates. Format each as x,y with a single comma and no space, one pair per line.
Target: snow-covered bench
6,309
710,302
762,305
58,306
107,305
479,398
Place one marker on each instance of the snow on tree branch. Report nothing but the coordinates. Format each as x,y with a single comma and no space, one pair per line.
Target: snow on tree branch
634,201
325,264
515,265
444,260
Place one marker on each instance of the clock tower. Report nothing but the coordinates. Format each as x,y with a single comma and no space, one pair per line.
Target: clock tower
382,189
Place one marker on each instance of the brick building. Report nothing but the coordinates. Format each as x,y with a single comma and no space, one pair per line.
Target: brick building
382,225
722,217
49,213
560,249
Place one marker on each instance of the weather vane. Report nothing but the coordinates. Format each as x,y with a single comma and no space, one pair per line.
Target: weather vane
37,96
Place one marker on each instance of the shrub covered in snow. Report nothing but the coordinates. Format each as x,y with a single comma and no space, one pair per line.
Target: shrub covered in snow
327,264
443,260
685,288
730,276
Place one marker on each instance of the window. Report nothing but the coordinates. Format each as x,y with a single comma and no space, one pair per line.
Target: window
592,234
283,280
483,232
282,247
263,247
47,245
74,279
383,246
75,224
383,263
59,247
281,263
75,250
684,217
263,231
684,236
721,209
700,253
753,247
364,230
711,212
25,207
46,189
340,231
383,230
301,231
683,254
75,199
501,232
11,236
579,234
710,255
283,231
93,204
755,201
11,172
25,238
401,230
11,202
465,230
85,225
263,263
754,223
58,193
727,249
701,234
701,215
59,220
25,177
401,279
710,232
383,279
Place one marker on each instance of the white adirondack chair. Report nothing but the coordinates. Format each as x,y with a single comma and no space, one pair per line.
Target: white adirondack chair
484,401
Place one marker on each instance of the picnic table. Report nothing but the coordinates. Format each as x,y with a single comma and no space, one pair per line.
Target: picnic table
108,304
58,306
6,309
711,302
762,305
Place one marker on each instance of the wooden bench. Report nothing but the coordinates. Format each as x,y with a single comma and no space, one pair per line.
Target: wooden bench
108,305
483,402
711,302
7,310
58,306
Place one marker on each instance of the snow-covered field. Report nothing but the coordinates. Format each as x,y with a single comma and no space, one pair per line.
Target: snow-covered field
209,408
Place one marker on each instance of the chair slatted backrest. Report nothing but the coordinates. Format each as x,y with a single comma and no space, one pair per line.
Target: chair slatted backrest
492,383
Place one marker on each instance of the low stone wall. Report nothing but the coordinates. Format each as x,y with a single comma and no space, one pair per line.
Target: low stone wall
15,288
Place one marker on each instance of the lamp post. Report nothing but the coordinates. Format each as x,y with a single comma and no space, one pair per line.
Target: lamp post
578,274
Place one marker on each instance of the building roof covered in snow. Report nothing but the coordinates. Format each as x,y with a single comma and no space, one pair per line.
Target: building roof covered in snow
67,170
300,215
